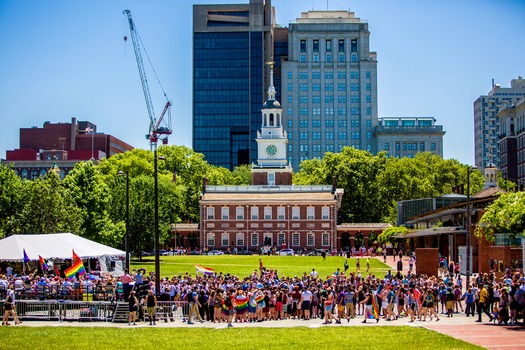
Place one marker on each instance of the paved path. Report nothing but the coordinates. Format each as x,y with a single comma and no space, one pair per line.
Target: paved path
490,336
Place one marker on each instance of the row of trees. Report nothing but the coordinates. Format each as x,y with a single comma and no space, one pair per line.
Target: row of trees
91,200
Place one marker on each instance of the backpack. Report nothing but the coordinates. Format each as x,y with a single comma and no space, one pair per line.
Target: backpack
189,296
228,301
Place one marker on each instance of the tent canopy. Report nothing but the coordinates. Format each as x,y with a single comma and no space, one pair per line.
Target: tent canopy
53,246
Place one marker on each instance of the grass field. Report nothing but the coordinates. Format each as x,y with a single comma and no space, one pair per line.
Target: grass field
244,265
405,338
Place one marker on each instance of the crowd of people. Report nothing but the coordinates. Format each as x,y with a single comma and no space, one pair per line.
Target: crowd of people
265,295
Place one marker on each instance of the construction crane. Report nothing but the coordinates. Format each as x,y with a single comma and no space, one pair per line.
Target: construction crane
158,128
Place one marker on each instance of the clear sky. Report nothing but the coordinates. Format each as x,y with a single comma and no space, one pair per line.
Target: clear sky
64,59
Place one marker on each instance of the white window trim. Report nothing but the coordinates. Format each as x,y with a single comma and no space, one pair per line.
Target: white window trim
239,213
308,235
327,235
256,236
310,213
298,236
225,234
210,213
227,211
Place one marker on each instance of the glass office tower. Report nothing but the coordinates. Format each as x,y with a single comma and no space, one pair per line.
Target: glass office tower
231,44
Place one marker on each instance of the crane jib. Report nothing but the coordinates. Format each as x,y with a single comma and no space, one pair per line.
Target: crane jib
155,124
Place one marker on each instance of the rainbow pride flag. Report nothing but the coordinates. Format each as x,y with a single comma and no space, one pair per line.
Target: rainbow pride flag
259,298
241,303
43,263
77,267
374,315
204,270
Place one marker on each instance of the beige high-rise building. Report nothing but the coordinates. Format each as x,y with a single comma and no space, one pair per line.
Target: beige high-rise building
486,128
328,85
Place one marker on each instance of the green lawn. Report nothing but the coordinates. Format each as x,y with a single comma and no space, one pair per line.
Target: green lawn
405,338
244,265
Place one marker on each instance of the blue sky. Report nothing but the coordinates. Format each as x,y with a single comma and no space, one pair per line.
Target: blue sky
63,59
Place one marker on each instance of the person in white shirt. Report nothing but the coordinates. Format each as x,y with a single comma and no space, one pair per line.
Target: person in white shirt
314,274
306,299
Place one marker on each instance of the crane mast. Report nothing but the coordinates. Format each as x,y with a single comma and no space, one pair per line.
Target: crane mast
160,128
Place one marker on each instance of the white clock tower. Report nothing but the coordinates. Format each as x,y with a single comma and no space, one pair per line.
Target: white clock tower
272,166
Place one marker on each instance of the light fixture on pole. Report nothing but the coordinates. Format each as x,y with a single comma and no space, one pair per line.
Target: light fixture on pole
121,173
469,218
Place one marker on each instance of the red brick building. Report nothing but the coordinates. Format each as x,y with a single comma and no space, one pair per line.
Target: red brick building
61,145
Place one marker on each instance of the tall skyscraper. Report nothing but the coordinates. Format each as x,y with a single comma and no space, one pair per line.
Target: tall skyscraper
486,128
231,44
329,85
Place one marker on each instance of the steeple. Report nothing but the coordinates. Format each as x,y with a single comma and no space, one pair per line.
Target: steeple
271,88
272,166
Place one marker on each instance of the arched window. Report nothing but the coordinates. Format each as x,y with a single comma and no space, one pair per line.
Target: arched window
271,120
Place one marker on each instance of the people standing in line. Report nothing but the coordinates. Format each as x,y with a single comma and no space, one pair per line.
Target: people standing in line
193,300
133,306
483,303
126,280
306,299
469,302
349,303
151,306
369,307
10,308
229,306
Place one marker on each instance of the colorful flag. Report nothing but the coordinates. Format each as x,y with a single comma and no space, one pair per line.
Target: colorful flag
77,267
374,314
43,264
26,258
204,270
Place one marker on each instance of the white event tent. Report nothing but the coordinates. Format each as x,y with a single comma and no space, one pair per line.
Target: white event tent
53,246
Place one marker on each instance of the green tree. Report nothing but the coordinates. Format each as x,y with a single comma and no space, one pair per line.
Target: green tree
505,215
10,199
242,175
92,197
387,235
48,207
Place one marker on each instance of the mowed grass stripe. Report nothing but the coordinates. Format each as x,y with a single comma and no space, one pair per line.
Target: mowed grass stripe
244,265
406,338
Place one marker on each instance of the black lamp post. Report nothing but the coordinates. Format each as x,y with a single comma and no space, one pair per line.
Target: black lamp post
469,218
157,258
121,173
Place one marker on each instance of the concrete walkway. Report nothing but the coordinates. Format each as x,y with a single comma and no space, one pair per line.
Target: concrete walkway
487,335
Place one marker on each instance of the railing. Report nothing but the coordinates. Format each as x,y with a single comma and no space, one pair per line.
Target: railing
293,188
69,310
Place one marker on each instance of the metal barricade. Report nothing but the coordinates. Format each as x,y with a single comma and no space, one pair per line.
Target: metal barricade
71,310
169,310
63,310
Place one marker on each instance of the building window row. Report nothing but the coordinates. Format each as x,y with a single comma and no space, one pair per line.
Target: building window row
254,211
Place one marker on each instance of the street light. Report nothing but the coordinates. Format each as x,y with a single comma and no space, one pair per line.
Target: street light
121,173
469,168
157,258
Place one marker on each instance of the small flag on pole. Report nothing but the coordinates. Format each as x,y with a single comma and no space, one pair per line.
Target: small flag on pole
26,258
43,264
77,267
